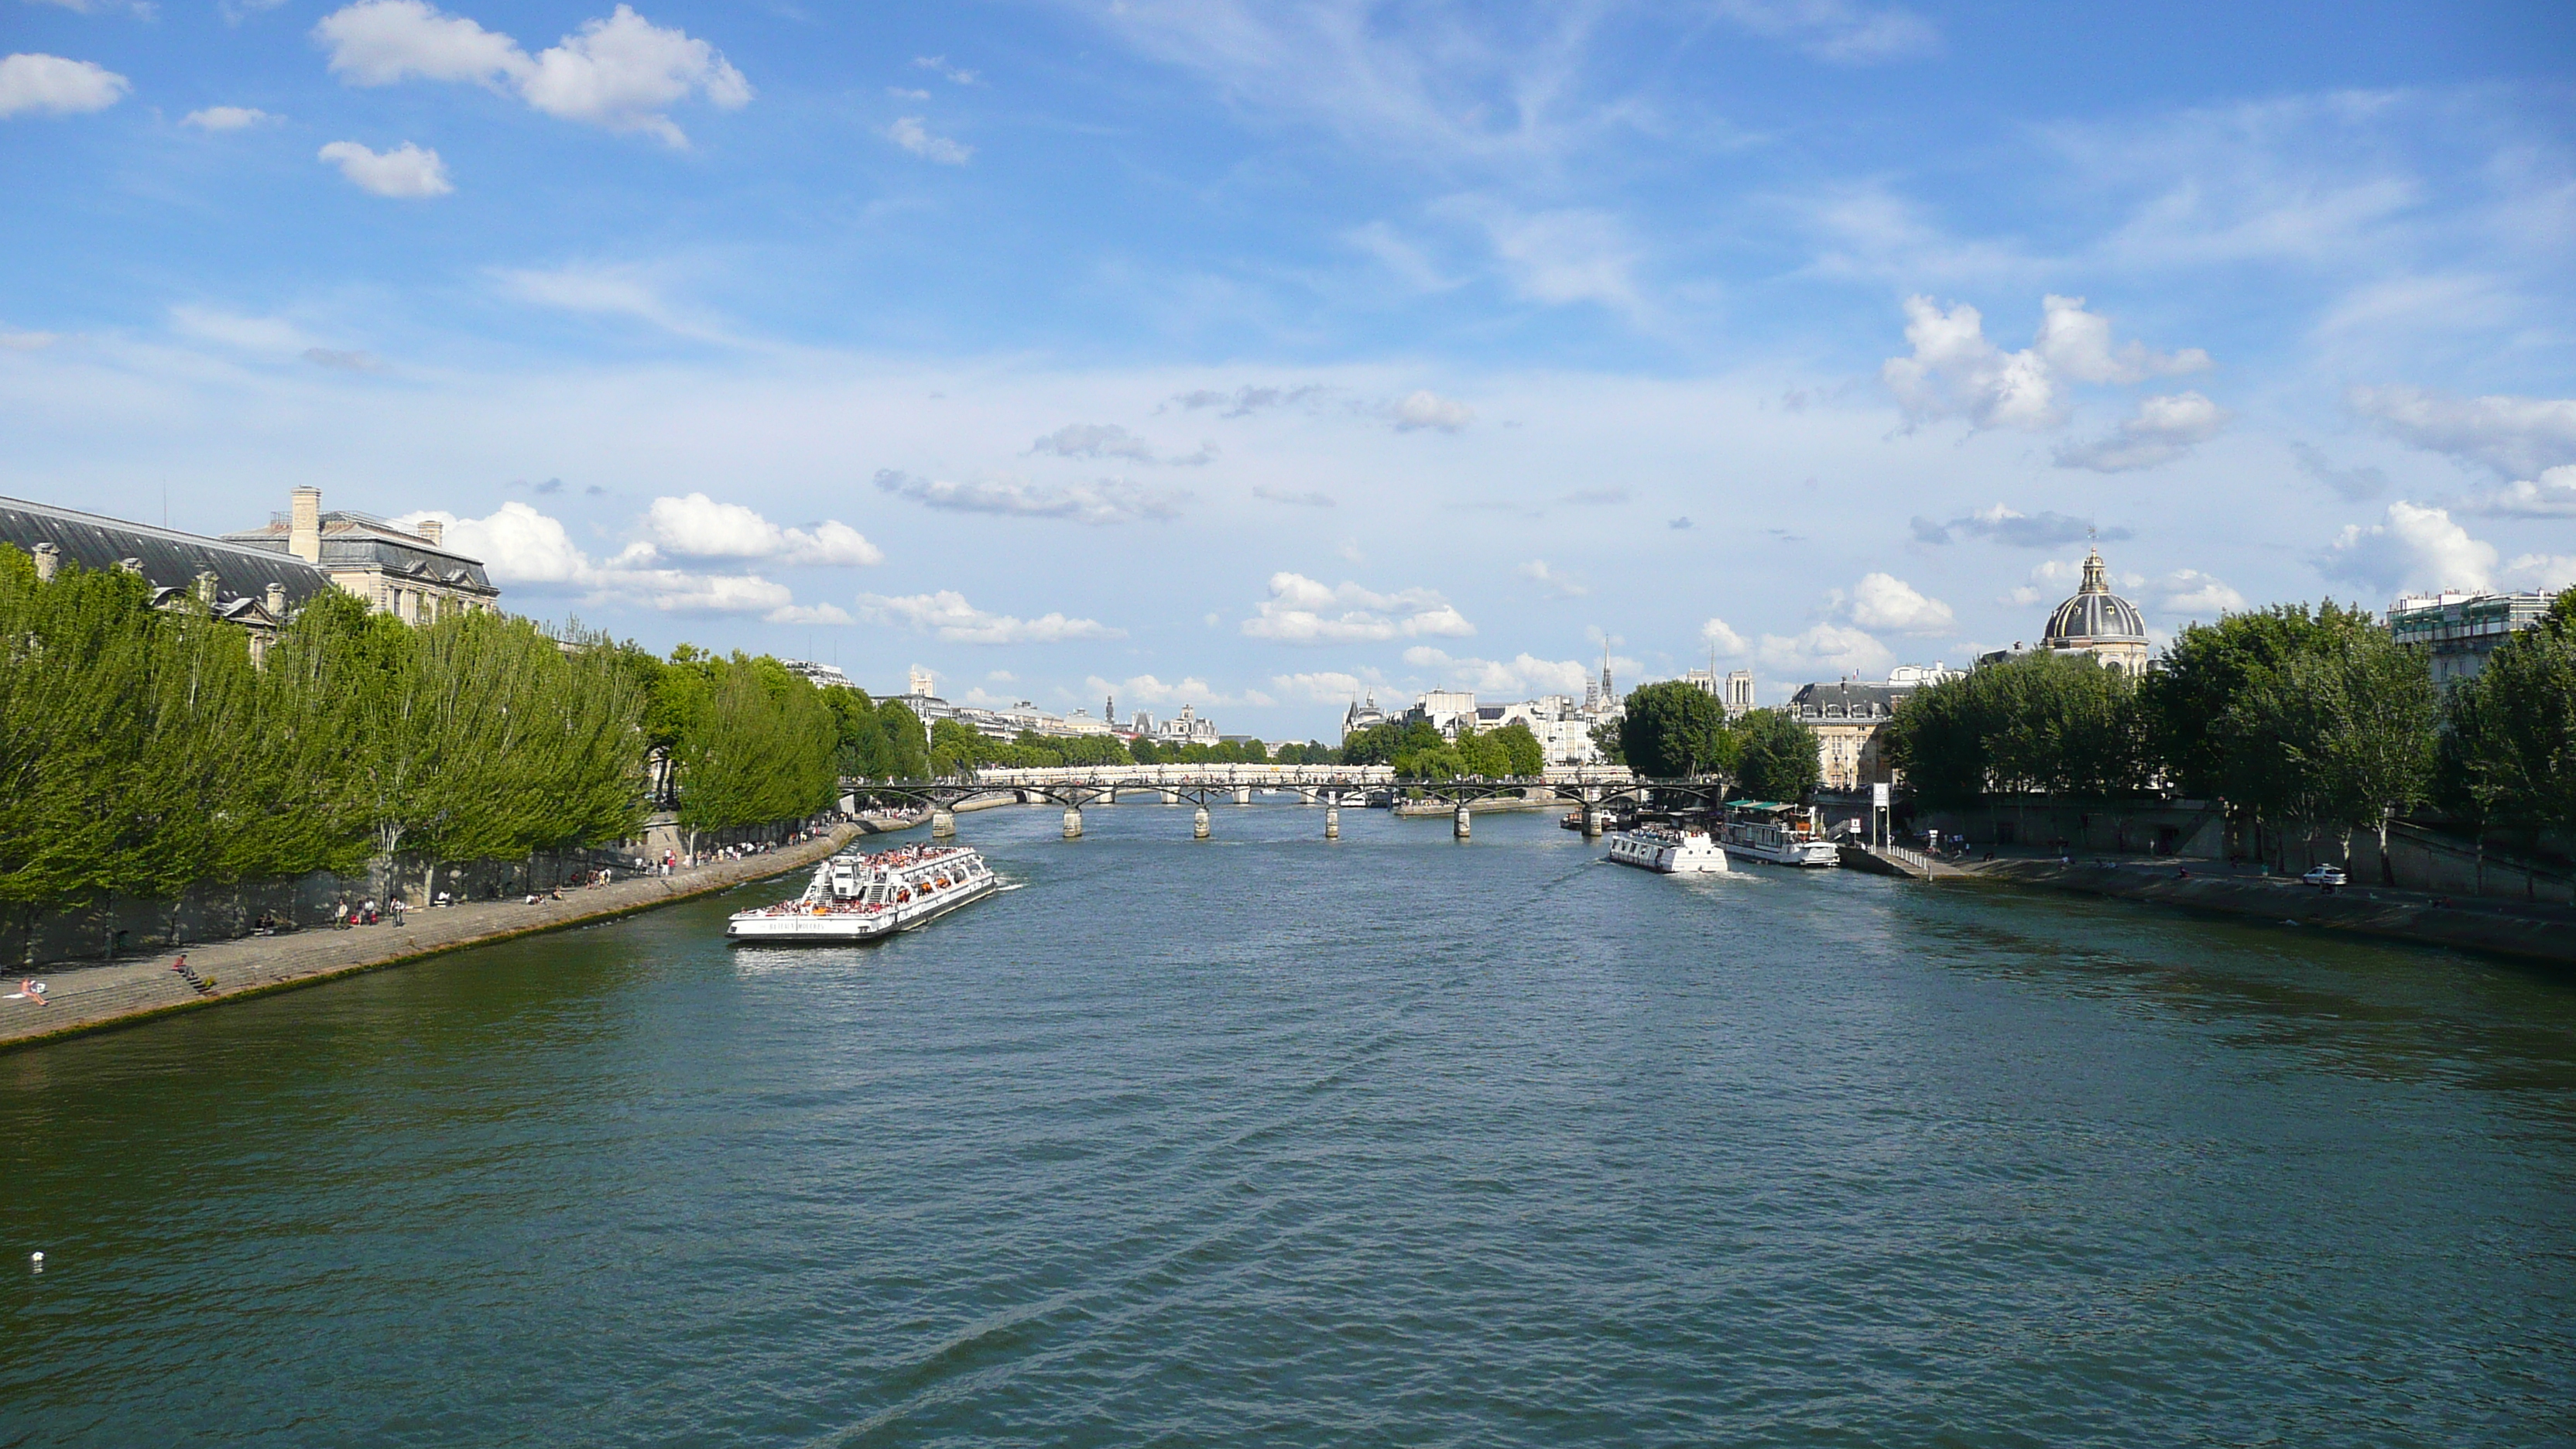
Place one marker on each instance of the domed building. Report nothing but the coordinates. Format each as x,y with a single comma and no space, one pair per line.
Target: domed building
2099,622
2096,622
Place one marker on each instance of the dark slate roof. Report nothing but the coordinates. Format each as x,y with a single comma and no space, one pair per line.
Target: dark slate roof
354,540
169,559
1854,701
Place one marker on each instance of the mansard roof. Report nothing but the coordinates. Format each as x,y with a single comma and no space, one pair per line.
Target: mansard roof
359,540
168,559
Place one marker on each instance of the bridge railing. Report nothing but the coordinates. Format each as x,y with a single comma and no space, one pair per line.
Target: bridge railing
1258,776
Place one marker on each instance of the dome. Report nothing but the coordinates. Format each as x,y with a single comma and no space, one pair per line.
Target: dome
2095,614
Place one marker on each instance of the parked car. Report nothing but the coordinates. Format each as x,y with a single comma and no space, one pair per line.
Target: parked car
2328,876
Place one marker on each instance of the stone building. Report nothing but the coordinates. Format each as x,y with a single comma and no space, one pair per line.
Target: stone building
254,588
408,573
1849,720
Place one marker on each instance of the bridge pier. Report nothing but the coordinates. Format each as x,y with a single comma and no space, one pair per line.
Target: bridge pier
1458,825
1171,797
1243,794
1332,822
1073,822
943,823
1591,821
1199,824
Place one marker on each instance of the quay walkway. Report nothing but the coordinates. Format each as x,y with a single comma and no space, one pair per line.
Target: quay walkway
90,998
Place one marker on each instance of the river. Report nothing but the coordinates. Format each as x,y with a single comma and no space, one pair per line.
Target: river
1265,1140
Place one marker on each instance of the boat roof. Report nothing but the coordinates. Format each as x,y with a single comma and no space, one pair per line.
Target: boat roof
1760,805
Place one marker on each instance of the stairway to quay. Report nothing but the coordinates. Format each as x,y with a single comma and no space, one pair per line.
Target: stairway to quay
80,999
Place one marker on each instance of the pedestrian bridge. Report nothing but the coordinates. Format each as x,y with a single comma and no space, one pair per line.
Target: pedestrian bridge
1588,787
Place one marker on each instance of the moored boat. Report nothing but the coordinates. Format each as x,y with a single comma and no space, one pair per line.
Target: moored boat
1667,851
1781,834
859,896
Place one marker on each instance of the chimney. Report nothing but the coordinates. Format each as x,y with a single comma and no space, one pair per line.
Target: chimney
433,530
304,533
49,559
277,602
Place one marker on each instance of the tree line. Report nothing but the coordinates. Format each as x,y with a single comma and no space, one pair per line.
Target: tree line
957,748
1418,751
143,751
1674,729
2305,721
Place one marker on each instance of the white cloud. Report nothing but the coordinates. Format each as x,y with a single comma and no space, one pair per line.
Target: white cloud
2516,436
1302,611
2078,343
2552,572
1106,501
2191,592
901,94
2551,495
1825,651
405,171
1519,677
1146,689
1955,372
1322,687
522,548
51,85
1430,410
913,135
1555,581
2415,549
938,64
28,341
1838,30
809,614
1308,499
699,527
1722,638
948,615
1562,257
226,118
2163,429
1883,601
621,72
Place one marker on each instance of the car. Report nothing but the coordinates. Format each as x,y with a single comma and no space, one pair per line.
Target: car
2328,876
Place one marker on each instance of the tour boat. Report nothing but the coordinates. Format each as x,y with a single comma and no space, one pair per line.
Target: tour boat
856,896
1667,851
1775,833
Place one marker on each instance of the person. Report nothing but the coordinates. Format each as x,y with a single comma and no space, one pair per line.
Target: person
398,910
28,991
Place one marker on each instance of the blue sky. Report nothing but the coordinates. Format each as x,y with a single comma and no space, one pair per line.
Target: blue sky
1249,356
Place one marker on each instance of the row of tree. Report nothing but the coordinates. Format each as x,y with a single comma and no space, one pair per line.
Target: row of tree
142,751
956,748
2305,720
1419,751
1674,729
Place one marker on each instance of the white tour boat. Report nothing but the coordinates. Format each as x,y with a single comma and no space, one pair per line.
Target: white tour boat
1666,851
857,896
1775,833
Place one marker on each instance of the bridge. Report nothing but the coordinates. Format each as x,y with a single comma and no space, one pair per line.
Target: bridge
1589,788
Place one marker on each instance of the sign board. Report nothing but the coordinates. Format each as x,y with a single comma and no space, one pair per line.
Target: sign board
1878,795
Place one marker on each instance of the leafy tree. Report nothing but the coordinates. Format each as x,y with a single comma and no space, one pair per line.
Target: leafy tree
1673,729
1776,757
2209,668
907,747
2510,754
1523,755
955,748
2047,723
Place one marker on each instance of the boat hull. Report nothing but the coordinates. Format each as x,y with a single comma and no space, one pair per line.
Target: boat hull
1694,855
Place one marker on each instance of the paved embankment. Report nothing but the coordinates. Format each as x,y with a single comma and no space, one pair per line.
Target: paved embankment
88,998
2531,929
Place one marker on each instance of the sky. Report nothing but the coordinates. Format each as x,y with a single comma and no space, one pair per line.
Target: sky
1255,356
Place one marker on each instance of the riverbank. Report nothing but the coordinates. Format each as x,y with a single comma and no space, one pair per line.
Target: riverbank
84,999
2532,930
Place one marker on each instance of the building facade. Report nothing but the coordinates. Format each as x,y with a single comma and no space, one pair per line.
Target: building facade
408,573
2459,630
1850,721
259,590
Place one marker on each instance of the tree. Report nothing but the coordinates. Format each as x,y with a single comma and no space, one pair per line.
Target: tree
1777,758
1672,729
2510,754
1523,755
2207,669
907,744
2044,723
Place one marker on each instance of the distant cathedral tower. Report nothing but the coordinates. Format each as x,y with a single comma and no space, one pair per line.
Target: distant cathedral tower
1609,695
